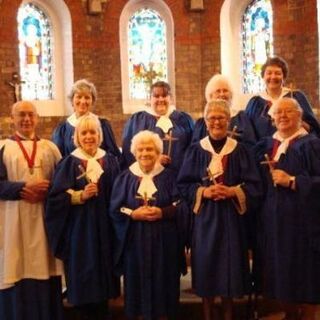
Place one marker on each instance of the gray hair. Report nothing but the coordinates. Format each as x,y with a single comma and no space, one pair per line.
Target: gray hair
83,85
212,85
293,102
87,122
146,136
217,105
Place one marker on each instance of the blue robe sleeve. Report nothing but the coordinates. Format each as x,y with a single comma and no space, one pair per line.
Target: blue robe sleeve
9,190
58,207
308,115
109,142
200,130
59,136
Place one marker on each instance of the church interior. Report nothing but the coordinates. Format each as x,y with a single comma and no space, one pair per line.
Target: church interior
204,37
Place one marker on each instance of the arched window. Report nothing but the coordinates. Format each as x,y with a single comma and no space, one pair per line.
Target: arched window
35,52
147,50
256,43
45,51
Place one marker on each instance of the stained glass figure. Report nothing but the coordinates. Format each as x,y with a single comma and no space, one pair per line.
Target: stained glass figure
256,43
35,53
147,51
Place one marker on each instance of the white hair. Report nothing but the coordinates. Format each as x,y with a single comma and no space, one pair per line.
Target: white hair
217,105
146,136
213,83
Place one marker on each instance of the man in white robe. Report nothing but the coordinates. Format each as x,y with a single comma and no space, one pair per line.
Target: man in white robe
30,276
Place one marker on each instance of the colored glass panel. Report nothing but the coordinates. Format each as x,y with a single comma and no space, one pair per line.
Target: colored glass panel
256,43
35,52
147,52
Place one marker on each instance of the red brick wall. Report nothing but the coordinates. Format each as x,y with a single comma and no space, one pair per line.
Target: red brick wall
197,53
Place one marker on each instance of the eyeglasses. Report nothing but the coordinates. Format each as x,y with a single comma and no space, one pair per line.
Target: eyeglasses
284,111
25,114
214,119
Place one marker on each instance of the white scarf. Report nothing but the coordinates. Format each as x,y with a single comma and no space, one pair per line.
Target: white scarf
147,186
73,120
215,165
164,122
282,149
93,169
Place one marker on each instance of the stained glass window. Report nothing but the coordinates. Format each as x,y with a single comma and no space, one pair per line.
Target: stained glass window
35,52
256,43
147,51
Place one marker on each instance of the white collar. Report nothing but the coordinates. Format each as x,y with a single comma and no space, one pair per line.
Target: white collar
136,170
171,108
215,165
73,120
282,149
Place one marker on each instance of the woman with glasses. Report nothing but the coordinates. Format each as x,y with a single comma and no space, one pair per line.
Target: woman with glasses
260,107
173,127
240,127
220,181
289,220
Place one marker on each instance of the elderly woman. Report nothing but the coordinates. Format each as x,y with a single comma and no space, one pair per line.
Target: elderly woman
145,213
173,126
83,96
77,220
260,107
219,180
289,219
240,127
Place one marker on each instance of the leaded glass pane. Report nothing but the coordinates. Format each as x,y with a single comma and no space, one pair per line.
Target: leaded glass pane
35,52
256,43
147,51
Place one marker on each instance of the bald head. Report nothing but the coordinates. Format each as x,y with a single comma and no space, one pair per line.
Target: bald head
24,118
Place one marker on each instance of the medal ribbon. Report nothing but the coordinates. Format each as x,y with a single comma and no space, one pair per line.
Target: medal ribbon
30,160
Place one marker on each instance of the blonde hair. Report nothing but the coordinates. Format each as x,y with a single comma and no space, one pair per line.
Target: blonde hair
146,136
87,122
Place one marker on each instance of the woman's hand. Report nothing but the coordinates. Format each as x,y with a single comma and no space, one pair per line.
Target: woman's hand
218,192
90,190
164,159
280,178
146,213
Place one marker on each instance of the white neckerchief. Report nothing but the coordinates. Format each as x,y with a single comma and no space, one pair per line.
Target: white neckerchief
215,165
73,120
267,97
164,122
147,186
93,169
282,149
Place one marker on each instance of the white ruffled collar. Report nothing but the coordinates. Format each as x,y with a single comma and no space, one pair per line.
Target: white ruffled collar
73,120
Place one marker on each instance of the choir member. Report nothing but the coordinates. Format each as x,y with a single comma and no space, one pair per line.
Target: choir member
30,276
173,126
146,215
83,97
220,181
240,127
289,228
77,220
260,107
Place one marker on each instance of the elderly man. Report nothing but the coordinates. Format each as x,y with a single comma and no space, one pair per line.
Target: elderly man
30,282
289,234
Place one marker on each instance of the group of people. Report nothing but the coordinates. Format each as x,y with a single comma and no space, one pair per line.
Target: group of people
231,182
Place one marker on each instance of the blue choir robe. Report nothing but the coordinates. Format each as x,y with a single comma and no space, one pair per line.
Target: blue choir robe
219,251
240,123
63,137
150,255
258,107
182,130
289,224
30,276
81,235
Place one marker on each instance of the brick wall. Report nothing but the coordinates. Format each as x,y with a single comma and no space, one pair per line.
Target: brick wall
197,53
